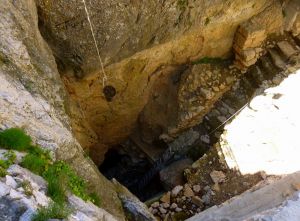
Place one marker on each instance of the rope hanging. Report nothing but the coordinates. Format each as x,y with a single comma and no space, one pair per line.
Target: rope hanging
104,79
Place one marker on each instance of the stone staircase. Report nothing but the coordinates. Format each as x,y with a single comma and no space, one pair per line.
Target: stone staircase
269,70
276,64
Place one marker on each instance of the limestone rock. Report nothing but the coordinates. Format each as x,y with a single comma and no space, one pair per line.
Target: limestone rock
4,189
217,176
197,201
196,188
33,96
135,66
155,205
173,206
187,191
132,205
176,190
10,182
286,48
172,175
166,198
27,215
89,209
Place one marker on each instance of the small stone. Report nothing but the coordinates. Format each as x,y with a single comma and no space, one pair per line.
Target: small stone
296,186
155,205
206,199
15,195
40,198
263,175
176,190
4,189
197,201
154,211
165,205
217,176
216,89
166,198
188,192
184,207
28,215
205,139
162,210
183,198
11,182
245,183
287,193
198,210
173,206
216,187
196,188
178,210
206,188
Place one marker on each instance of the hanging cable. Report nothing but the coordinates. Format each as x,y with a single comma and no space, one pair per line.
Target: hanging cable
104,78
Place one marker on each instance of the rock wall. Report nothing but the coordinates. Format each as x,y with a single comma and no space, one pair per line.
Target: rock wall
32,96
140,43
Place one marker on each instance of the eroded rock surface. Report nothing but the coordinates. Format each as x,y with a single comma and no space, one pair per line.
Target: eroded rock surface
148,41
32,95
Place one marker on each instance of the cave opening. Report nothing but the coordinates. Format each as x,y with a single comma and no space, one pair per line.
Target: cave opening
127,164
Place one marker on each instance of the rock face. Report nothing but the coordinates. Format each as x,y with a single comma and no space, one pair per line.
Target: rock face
252,33
18,204
32,95
140,42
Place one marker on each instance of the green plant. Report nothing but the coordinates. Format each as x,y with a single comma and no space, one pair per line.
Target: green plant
208,60
10,156
27,187
35,163
182,4
14,138
207,20
60,175
53,211
2,172
4,164
94,198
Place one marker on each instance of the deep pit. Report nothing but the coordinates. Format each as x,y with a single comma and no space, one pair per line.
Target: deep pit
131,161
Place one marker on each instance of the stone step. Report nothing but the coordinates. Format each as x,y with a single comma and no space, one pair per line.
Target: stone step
290,12
287,49
268,68
252,78
276,58
230,110
257,74
172,175
153,152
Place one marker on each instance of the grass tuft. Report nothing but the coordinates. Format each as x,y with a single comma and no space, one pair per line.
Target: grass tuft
37,160
27,188
15,139
53,211
210,60
59,175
